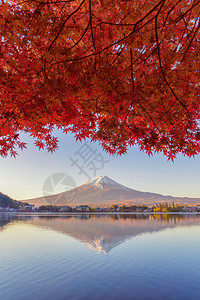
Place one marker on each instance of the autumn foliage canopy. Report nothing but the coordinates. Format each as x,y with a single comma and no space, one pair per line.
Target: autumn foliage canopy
121,72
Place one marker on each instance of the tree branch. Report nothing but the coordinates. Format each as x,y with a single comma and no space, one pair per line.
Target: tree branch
61,28
160,62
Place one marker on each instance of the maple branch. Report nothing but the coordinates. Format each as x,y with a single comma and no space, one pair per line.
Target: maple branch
47,2
132,24
90,12
133,85
160,62
143,108
112,44
185,13
179,46
109,46
190,43
63,25
171,9
118,54
82,36
61,10
138,102
91,29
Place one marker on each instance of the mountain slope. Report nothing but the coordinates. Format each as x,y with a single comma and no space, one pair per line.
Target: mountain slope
6,201
103,191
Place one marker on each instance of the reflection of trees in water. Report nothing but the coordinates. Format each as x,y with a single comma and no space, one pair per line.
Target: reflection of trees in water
3,223
168,218
103,232
161,218
5,219
128,216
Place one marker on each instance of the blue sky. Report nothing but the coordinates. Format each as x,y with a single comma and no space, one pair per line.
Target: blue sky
23,177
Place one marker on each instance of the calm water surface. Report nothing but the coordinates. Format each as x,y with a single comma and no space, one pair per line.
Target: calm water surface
100,257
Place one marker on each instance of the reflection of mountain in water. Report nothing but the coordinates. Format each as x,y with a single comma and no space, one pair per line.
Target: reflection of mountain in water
3,223
105,232
4,220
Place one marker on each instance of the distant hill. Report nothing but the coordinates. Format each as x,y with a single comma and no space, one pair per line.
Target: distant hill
6,201
103,192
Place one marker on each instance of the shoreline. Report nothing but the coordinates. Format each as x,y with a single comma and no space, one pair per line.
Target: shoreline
57,214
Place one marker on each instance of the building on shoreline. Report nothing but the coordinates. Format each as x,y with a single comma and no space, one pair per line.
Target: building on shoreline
27,208
82,208
65,209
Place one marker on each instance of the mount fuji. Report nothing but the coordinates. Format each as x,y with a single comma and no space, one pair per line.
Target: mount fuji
103,192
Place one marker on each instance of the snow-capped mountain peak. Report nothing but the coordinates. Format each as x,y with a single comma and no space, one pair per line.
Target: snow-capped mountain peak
104,182
104,192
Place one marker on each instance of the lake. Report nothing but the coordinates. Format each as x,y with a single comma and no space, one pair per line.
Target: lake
100,257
